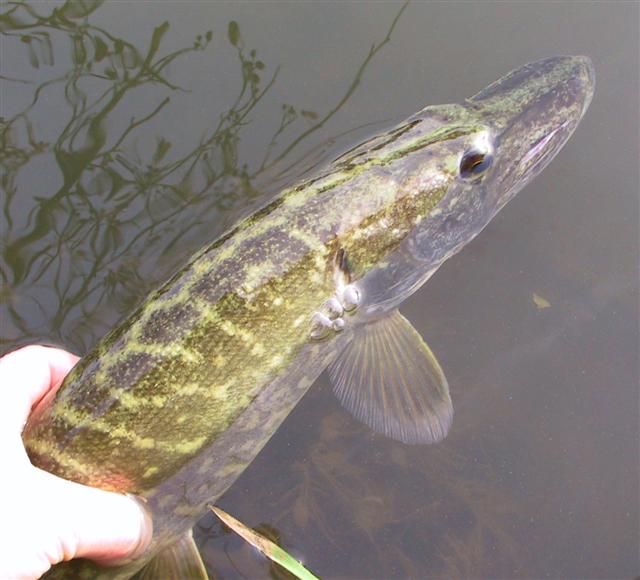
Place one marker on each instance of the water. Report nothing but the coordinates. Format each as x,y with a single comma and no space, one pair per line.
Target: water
108,186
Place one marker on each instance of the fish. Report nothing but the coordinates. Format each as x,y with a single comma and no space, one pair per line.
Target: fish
174,403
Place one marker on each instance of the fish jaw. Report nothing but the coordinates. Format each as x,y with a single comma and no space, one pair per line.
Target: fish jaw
516,125
531,113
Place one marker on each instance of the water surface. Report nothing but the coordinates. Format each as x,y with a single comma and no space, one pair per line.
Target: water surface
133,133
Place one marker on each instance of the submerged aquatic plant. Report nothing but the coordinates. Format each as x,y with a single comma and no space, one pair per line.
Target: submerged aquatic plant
412,510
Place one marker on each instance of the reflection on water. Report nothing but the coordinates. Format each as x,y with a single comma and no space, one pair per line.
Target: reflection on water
123,152
124,202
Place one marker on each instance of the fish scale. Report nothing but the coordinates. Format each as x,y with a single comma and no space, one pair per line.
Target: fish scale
225,324
177,400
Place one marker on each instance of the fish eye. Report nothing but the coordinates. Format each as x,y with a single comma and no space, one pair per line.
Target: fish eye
474,163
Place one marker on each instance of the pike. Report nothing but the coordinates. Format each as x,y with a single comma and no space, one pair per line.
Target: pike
174,403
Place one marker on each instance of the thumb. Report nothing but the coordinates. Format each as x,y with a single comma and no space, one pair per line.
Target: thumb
73,520
90,523
27,375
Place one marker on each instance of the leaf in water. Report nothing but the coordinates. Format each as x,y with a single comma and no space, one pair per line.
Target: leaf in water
267,547
46,48
540,302
234,32
209,35
79,53
309,114
33,58
130,57
79,8
156,38
162,148
101,49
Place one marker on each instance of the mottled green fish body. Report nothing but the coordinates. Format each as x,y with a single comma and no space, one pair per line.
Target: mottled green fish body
175,402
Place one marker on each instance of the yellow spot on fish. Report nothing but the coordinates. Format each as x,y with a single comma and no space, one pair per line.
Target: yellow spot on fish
202,266
145,443
220,392
126,399
76,417
256,274
70,415
209,314
190,389
171,350
150,471
245,335
294,200
158,401
258,349
310,241
228,327
188,447
315,277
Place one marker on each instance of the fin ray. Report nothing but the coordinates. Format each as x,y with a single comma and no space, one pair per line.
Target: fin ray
388,378
179,560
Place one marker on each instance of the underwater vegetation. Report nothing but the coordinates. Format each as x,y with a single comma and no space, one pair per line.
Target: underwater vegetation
341,488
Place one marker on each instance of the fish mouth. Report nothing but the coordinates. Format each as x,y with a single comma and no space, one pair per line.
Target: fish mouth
532,112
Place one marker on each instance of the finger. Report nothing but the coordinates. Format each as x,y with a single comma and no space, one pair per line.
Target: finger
93,523
26,376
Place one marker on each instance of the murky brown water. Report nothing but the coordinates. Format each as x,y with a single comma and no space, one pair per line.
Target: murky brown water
113,173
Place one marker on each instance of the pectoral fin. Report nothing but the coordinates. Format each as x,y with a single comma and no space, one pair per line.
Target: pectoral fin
388,378
180,560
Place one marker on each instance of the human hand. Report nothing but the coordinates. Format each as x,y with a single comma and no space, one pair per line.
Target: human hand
45,519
